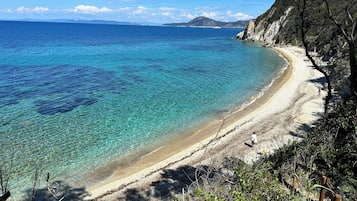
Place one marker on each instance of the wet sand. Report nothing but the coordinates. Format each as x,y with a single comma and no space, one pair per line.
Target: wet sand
292,101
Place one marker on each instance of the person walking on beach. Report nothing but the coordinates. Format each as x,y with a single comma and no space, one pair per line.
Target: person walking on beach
254,138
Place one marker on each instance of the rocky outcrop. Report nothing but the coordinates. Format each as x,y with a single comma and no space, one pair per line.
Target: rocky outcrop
282,24
248,31
266,29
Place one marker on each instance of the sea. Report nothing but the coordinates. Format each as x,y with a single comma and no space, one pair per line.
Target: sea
77,97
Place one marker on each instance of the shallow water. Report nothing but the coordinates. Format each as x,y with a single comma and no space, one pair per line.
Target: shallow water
75,97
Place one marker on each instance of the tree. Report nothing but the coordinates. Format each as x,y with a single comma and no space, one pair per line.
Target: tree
5,196
301,7
347,25
4,183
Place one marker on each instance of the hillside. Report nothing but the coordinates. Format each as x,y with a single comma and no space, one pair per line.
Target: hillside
281,25
207,22
327,30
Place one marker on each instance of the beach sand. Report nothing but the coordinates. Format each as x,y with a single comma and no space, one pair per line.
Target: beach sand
294,100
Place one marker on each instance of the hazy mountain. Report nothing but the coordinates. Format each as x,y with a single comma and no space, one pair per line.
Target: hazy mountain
207,22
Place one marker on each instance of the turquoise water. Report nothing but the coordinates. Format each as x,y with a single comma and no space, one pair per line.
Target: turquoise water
74,97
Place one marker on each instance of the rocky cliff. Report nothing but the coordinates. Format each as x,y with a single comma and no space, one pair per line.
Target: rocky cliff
282,24
270,26
265,31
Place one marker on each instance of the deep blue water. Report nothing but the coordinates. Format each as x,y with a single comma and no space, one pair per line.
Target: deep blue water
75,97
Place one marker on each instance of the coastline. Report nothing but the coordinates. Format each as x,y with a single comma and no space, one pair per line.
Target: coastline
292,100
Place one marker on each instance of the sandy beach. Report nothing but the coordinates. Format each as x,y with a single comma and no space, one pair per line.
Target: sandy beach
294,100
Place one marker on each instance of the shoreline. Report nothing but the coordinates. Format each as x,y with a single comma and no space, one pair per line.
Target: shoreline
228,136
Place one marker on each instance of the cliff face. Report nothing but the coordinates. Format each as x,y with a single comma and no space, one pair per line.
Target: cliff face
267,27
264,31
282,24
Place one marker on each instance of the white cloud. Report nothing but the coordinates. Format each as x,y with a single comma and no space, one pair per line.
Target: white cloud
204,8
209,14
87,9
6,11
167,14
37,9
238,16
167,9
189,16
124,9
40,9
139,10
23,10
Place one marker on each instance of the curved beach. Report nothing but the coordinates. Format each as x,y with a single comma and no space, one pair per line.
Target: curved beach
293,100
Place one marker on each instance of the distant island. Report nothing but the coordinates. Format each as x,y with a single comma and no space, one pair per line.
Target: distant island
196,22
99,22
81,21
207,22
78,21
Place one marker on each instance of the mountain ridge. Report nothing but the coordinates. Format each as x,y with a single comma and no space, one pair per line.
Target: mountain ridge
208,22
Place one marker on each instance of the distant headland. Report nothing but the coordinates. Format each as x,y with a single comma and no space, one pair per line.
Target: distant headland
207,22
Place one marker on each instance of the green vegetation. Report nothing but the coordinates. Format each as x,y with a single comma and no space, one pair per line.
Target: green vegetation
330,148
248,183
327,27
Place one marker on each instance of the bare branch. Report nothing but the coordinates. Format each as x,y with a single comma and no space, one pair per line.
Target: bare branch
35,185
354,30
2,182
349,14
334,20
54,190
5,193
353,22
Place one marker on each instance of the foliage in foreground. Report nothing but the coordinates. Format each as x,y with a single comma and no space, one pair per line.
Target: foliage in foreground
329,149
247,183
332,146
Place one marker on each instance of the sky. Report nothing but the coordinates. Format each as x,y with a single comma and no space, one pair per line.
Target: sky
138,11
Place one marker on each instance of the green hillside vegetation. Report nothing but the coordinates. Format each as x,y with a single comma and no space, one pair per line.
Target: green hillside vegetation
321,34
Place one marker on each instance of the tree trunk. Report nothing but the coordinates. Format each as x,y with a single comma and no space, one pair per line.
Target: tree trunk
353,67
304,42
351,40
5,196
